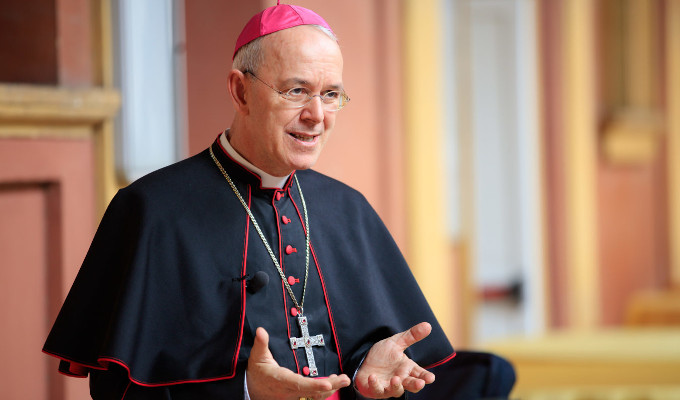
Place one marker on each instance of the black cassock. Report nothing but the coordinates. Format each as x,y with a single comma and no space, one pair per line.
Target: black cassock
160,294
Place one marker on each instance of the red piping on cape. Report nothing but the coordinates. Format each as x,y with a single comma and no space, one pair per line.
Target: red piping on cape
126,390
102,360
323,287
330,311
146,384
72,374
243,290
285,187
240,338
286,312
283,289
102,366
444,361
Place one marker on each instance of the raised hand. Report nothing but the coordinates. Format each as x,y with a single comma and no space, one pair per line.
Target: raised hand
267,380
388,372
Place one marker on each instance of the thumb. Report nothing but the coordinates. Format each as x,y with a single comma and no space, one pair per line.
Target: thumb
260,351
411,336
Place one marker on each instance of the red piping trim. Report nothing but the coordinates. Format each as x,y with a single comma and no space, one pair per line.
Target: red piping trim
444,361
328,307
224,151
119,362
64,358
288,182
323,287
243,289
284,293
286,312
101,367
126,390
178,382
72,375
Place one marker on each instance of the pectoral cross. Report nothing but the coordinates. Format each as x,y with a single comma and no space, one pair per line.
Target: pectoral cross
307,342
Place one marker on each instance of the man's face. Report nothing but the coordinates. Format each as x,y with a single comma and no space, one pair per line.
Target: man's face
280,138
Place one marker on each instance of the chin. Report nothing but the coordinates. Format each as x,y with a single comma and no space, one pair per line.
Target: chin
306,161
303,165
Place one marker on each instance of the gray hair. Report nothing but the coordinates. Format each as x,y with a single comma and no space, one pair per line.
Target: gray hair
250,56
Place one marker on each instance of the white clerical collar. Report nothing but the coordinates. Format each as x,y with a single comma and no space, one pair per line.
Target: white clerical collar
268,181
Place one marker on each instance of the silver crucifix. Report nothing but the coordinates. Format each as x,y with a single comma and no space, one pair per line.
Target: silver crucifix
307,342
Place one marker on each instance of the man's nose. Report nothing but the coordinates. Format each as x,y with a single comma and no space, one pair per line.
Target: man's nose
313,111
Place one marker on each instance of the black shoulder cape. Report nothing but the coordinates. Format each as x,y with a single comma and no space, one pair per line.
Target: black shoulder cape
156,293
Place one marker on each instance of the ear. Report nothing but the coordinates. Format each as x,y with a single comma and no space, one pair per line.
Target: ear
236,83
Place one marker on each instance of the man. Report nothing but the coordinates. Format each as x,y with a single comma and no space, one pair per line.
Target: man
241,273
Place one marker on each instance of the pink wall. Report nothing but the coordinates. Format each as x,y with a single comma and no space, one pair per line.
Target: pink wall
76,50
47,213
211,30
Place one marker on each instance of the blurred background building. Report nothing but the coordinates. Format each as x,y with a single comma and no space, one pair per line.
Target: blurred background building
525,154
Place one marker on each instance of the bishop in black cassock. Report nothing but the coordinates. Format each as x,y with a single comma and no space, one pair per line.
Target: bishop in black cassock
178,280
160,292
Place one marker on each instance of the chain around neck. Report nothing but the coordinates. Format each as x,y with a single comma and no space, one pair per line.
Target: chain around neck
299,305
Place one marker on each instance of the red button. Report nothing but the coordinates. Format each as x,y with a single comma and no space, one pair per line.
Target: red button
290,249
292,281
294,312
279,195
285,220
305,370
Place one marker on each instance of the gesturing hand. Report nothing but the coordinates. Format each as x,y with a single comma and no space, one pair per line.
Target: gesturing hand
388,372
269,381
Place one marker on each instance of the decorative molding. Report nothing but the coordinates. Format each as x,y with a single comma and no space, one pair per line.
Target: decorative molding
632,137
673,131
33,130
26,106
48,112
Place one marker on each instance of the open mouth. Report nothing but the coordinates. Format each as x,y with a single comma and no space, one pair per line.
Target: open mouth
303,138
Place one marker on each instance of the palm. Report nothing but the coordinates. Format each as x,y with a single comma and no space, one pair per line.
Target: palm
388,372
267,380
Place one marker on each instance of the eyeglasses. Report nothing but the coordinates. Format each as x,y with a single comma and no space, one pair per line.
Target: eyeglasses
332,100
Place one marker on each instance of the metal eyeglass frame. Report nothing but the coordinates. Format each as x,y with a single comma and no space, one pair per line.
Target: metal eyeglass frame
342,102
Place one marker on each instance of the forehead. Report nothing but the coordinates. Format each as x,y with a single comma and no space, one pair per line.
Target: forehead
301,50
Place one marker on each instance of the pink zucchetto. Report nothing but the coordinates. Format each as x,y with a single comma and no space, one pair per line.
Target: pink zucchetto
276,18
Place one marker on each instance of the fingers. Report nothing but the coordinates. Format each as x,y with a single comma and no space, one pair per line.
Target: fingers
374,386
413,385
311,385
417,380
330,383
421,373
411,378
268,380
321,388
378,389
411,336
339,381
396,388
